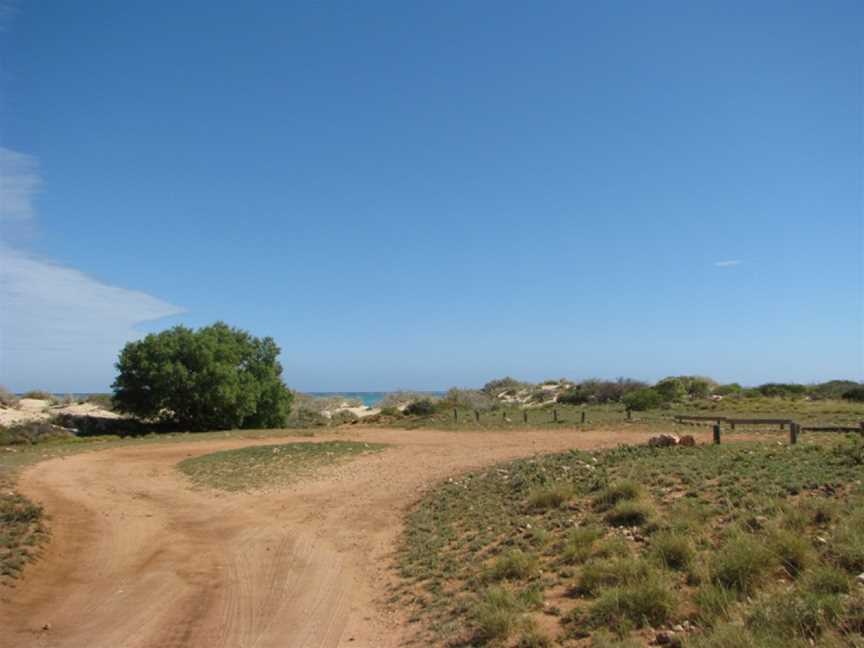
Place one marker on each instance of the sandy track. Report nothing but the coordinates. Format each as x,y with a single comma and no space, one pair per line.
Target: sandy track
139,559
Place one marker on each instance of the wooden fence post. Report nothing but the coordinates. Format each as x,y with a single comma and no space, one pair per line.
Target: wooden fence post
862,428
793,433
477,415
455,415
525,415
717,434
555,415
583,419
629,415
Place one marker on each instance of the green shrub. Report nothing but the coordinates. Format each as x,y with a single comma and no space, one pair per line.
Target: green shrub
647,603
38,394
644,399
390,411
424,407
629,513
856,394
513,564
616,492
671,390
782,390
7,398
343,417
101,400
472,399
741,564
730,389
213,378
673,550
33,432
495,387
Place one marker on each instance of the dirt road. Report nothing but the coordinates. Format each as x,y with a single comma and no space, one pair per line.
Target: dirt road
139,559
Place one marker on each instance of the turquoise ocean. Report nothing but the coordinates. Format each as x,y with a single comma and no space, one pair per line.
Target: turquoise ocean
369,399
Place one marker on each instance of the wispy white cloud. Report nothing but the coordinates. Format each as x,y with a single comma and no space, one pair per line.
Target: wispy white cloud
19,183
60,328
728,264
57,320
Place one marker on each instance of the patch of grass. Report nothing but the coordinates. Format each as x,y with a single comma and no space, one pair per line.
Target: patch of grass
551,497
796,615
648,603
599,574
792,550
672,550
713,602
741,564
269,465
826,579
847,543
629,513
496,615
725,530
513,564
618,492
21,532
580,544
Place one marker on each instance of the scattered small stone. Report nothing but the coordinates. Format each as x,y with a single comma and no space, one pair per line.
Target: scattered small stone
860,579
46,627
678,628
687,440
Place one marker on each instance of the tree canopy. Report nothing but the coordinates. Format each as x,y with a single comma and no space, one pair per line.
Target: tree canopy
214,378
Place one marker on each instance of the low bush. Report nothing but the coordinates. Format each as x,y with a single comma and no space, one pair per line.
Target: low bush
642,400
38,394
423,407
7,398
32,433
856,394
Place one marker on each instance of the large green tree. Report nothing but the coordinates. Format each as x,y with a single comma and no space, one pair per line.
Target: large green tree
213,378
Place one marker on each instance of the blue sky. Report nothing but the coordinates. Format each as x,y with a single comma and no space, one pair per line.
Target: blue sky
419,195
